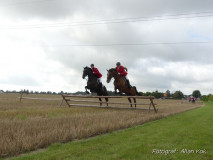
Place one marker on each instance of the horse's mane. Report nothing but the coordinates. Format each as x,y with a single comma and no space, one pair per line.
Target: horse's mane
113,69
88,68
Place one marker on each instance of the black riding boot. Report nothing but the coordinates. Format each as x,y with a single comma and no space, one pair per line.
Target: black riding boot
127,81
100,85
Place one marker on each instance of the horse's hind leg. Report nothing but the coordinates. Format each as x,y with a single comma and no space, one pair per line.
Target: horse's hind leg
100,101
130,101
135,101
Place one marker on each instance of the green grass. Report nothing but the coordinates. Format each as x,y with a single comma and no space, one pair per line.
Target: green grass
189,130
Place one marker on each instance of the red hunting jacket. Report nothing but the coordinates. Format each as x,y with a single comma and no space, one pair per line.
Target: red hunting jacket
121,70
96,72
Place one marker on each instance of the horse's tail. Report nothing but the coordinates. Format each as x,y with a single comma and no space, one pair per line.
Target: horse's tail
138,94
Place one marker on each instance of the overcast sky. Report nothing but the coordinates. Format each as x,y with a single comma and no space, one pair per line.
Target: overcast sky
41,43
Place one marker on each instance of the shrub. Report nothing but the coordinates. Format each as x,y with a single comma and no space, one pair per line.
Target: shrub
205,98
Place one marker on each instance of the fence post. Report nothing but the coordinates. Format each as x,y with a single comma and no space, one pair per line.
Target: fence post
61,103
64,99
21,94
151,99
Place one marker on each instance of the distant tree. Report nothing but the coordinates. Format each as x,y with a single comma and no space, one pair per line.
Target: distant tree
157,94
178,95
196,94
211,98
42,92
49,92
147,94
168,93
79,93
141,93
26,91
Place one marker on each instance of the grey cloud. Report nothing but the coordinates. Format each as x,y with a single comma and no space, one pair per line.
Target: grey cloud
109,8
20,80
132,57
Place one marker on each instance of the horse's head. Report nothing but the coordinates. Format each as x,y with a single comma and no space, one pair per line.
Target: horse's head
86,72
111,73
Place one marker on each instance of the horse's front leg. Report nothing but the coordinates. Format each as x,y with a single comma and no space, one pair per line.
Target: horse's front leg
100,102
115,89
86,90
107,101
130,101
120,93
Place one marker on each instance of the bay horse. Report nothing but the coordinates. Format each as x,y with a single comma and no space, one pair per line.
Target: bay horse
121,85
92,84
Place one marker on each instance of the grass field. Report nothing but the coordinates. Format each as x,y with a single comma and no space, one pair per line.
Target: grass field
32,124
191,131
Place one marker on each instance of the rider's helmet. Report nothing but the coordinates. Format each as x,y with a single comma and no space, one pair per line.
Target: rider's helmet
92,65
118,64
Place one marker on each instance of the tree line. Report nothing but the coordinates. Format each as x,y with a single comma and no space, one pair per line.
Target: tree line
176,95
164,95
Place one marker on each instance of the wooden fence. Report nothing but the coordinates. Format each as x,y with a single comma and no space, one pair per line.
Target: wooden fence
41,99
73,100
82,101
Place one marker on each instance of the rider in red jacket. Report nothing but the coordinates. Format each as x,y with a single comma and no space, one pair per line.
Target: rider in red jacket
123,72
97,74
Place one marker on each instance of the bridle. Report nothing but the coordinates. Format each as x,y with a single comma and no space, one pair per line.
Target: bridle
87,75
112,76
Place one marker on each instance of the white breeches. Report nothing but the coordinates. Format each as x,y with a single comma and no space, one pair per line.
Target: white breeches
126,77
100,80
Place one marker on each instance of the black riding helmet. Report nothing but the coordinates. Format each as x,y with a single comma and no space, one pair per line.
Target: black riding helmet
118,64
92,65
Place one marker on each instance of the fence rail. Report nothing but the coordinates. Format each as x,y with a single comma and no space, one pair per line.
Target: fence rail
69,99
138,97
40,99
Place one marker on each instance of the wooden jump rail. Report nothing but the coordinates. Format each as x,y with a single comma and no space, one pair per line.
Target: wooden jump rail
41,99
138,97
69,98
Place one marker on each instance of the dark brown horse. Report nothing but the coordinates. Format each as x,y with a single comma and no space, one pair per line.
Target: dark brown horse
92,84
121,85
